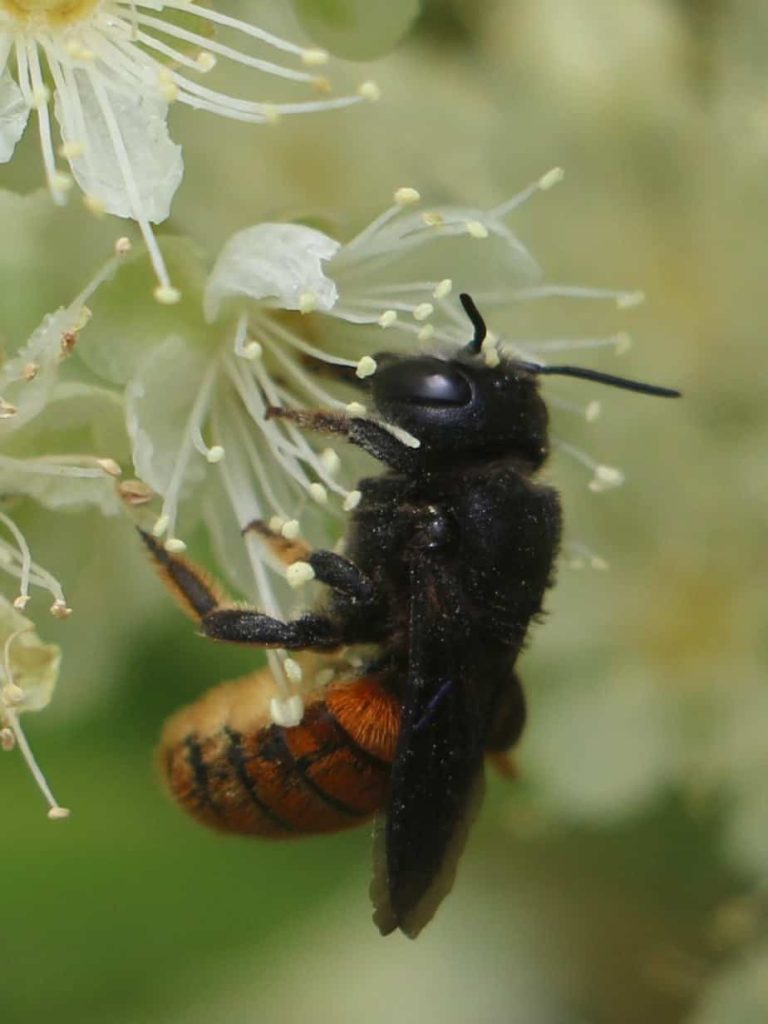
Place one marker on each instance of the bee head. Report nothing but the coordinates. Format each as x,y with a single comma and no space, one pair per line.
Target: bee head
464,408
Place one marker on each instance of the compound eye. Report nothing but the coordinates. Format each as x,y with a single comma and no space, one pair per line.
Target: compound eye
424,382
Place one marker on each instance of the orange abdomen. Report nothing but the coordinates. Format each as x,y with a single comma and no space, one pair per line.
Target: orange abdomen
232,768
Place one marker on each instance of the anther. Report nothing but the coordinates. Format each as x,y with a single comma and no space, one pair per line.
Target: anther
370,91
352,500
94,205
629,299
21,602
423,311
330,461
287,713
123,246
110,467
215,454
387,318
551,178
161,525
592,411
605,478
290,530
293,671
406,196
355,410
167,295
175,546
7,739
205,61
366,367
308,302
443,288
622,343
476,229
426,332
314,57
135,492
318,493
299,573
7,410
60,609
58,813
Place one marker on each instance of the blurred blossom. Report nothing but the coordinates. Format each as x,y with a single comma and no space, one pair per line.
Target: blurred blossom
115,66
28,672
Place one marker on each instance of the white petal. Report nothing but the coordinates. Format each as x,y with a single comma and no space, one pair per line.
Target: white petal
34,665
159,401
14,114
154,163
273,261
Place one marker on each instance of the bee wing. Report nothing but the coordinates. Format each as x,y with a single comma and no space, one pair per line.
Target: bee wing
437,775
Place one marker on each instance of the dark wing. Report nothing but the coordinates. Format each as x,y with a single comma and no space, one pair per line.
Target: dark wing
437,773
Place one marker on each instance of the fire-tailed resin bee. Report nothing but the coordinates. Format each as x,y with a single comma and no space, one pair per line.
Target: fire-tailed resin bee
446,562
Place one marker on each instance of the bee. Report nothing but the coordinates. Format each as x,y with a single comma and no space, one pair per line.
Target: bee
448,557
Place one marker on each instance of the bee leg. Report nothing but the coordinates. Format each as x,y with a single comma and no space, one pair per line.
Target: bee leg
341,575
247,626
192,587
372,437
329,568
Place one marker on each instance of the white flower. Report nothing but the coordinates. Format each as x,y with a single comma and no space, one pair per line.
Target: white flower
113,67
35,403
295,319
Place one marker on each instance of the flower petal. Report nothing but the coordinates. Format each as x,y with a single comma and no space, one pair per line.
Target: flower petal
273,261
151,166
14,114
159,401
34,665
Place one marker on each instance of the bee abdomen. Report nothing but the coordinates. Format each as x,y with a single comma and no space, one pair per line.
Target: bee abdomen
232,768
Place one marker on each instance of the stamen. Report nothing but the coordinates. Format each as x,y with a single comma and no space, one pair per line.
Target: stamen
605,477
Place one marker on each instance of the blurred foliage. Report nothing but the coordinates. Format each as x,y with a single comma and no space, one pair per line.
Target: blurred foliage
622,879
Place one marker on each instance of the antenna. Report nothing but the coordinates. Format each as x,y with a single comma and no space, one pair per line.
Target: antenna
603,378
481,332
